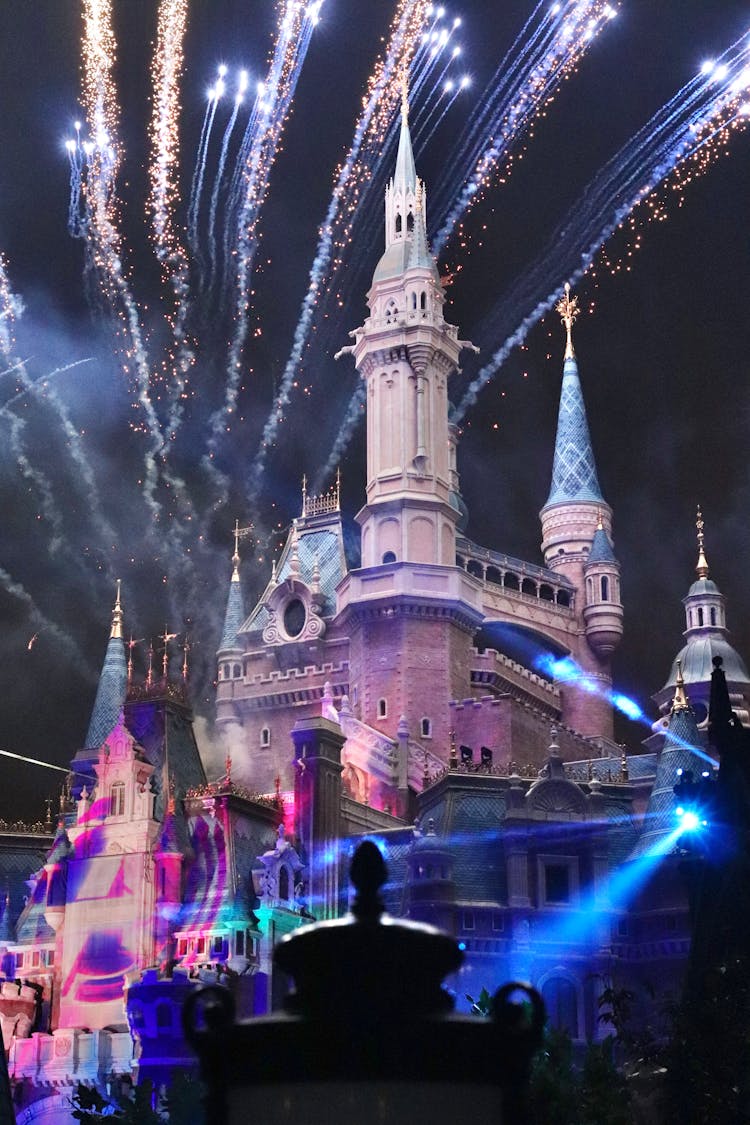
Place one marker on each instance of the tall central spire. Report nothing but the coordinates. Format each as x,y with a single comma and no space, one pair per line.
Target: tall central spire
405,175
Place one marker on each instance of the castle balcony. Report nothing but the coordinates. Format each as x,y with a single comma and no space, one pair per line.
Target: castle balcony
521,580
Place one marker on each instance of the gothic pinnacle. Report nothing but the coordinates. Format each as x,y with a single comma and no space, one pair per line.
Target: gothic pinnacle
117,615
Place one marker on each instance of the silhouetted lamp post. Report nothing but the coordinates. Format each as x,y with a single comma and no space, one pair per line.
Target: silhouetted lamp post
369,1035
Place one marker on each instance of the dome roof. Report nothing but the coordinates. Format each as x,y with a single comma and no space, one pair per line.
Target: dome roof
697,661
703,586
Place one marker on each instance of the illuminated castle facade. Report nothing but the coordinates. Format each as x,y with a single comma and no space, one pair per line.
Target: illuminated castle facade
451,701
405,642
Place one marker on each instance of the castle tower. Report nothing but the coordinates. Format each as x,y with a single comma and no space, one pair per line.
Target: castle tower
405,352
576,541
706,636
410,611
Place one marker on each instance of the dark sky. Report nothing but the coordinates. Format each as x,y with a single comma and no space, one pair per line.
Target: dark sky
663,359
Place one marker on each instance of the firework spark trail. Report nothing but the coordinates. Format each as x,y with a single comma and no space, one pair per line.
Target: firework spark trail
103,240
353,176
40,623
677,145
37,478
423,138
199,163
297,24
166,72
214,206
214,97
352,418
532,88
11,308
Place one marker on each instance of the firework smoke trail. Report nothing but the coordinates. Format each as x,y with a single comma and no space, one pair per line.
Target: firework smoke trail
352,178
678,144
297,23
40,623
199,162
214,97
11,308
36,478
166,73
531,89
102,238
352,418
421,141
212,252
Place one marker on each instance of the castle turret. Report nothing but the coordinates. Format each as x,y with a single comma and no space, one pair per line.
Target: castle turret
706,636
576,541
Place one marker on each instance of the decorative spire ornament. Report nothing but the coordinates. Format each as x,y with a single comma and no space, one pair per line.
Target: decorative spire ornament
701,568
567,309
405,95
185,651
680,700
239,533
165,638
117,614
150,671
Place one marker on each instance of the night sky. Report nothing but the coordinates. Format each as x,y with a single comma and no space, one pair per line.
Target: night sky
663,357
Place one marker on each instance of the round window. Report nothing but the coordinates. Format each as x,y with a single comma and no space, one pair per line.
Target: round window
294,618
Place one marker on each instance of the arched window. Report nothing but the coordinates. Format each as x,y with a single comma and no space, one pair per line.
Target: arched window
265,737
494,575
546,593
510,582
391,312
713,615
398,223
475,568
563,597
237,671
117,799
426,727
410,222
561,1002
283,882
700,615
529,587
389,557
590,589
605,588
423,300
382,709
414,300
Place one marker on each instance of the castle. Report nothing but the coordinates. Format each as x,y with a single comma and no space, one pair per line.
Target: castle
451,702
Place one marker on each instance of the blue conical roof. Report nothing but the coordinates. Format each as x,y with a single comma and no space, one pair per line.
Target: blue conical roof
574,469
235,613
679,752
113,683
601,548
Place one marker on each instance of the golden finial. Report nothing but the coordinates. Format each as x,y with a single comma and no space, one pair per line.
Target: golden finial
117,614
304,495
165,638
680,701
338,488
150,671
130,645
239,533
185,651
405,95
702,566
567,308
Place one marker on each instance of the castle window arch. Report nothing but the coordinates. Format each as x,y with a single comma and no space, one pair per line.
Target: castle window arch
700,615
410,222
414,300
265,737
236,671
391,312
382,708
510,582
563,597
426,727
389,557
398,223
423,300
605,588
713,615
